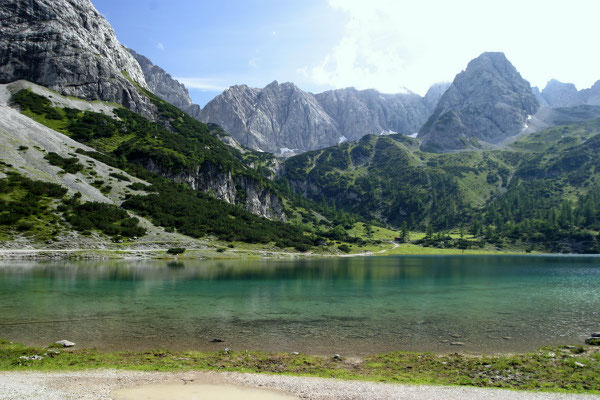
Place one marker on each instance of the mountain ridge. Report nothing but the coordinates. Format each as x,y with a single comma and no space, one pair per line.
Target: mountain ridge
259,118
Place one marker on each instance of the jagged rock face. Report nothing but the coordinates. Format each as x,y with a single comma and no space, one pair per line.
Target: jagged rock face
67,46
488,102
361,112
278,116
540,98
559,94
164,86
591,96
435,93
281,116
238,189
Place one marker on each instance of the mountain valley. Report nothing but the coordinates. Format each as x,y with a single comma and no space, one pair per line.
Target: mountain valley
496,165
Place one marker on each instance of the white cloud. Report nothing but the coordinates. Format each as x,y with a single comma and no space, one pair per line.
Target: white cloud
392,44
203,84
160,46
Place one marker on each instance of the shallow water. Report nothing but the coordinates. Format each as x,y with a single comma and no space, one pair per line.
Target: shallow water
351,306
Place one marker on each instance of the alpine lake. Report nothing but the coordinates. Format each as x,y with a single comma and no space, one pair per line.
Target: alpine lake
350,306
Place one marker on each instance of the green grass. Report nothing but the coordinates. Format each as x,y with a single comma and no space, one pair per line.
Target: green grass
561,369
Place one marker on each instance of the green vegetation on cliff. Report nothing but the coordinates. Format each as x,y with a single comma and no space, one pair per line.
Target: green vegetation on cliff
42,210
541,194
150,151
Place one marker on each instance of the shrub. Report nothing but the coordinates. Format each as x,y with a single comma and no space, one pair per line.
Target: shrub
24,226
176,250
119,176
69,165
344,247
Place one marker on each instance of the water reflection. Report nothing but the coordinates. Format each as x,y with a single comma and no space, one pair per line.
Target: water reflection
360,305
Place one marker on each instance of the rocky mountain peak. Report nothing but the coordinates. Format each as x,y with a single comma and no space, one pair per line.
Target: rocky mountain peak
559,94
68,46
488,102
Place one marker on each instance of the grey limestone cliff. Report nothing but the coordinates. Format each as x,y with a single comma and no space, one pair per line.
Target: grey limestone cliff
274,119
282,119
67,46
361,112
235,189
557,94
164,86
488,102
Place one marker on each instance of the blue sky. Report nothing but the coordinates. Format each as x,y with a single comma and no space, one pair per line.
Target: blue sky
216,44
389,45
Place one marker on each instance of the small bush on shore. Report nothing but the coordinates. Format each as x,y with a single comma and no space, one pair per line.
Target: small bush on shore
176,250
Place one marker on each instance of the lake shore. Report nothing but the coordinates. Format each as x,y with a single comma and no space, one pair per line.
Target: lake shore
567,369
124,385
221,253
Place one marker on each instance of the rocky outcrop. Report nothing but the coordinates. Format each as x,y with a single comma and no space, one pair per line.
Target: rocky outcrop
435,93
234,189
285,120
67,46
591,96
277,118
361,112
540,98
557,94
165,87
488,102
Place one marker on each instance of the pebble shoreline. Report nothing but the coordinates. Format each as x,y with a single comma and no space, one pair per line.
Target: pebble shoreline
99,384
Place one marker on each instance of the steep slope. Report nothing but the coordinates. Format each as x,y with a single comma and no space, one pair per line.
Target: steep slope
386,178
30,150
274,119
285,120
591,96
131,148
67,46
557,94
487,102
165,87
543,193
361,112
435,93
188,152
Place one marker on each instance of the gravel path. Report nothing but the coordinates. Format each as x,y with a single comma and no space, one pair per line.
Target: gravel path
99,384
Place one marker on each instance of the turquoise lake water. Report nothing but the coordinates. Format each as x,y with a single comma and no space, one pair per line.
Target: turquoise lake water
351,306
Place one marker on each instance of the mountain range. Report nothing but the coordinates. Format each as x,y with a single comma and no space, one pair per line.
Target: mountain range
88,121
485,106
558,94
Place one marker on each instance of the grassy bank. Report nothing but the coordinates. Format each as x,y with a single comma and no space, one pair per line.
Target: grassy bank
562,369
